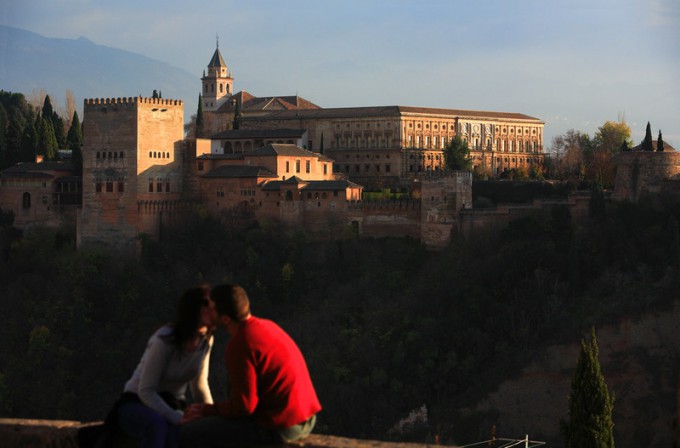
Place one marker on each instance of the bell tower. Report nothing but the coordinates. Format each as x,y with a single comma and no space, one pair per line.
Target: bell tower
217,83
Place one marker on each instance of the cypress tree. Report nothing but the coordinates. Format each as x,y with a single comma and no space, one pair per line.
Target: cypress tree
47,142
47,109
75,142
199,117
647,142
659,142
58,127
4,123
589,423
29,142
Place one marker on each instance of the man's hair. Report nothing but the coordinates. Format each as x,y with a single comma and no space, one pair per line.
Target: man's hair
231,301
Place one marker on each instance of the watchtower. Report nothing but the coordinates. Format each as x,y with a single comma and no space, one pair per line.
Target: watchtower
217,84
131,158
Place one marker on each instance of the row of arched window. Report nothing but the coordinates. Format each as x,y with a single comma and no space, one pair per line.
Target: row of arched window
110,155
159,155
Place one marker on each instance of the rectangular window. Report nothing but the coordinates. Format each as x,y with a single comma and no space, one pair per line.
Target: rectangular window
159,187
200,165
150,187
388,168
325,168
287,167
167,187
121,187
308,166
98,187
297,166
109,187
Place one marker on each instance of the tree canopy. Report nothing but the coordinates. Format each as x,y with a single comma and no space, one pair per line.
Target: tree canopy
457,155
589,423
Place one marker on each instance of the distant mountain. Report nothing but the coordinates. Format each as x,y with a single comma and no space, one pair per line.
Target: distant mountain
29,61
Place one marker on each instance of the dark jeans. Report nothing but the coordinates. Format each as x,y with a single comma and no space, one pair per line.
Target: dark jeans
152,429
222,432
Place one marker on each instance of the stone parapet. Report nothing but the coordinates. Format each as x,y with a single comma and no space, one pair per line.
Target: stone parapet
20,433
131,100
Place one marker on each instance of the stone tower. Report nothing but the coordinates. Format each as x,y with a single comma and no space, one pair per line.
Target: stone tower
132,168
217,84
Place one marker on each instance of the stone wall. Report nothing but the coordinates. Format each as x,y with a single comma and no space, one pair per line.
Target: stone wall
17,433
639,173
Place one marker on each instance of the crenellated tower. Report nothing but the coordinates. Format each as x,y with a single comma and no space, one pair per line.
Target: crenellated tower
132,157
217,83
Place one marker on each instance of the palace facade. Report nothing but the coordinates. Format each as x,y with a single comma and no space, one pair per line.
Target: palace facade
376,146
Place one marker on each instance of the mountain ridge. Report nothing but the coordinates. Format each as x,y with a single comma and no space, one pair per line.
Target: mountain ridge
30,61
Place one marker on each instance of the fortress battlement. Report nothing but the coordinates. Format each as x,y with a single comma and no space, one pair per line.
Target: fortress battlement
131,100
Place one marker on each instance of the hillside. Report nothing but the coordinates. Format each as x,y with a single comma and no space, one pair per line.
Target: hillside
29,62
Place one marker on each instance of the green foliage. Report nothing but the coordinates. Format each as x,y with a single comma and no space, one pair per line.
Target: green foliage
4,123
385,325
47,142
647,144
457,155
199,118
75,142
589,423
659,143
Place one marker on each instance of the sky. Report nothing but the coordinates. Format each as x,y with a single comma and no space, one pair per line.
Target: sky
574,64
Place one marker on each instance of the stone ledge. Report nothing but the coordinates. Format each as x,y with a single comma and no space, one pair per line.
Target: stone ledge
26,433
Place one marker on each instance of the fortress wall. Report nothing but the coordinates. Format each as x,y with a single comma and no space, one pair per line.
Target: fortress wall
640,172
386,218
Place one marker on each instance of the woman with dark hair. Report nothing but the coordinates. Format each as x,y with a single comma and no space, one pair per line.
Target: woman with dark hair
176,356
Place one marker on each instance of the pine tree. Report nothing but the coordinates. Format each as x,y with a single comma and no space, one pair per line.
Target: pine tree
199,117
659,142
589,423
75,142
647,142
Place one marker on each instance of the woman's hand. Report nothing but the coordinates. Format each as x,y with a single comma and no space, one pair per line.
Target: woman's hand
192,412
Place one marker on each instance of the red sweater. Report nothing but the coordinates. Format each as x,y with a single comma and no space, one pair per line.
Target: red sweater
268,377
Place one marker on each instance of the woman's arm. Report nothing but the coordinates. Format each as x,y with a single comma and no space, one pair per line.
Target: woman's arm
200,388
156,360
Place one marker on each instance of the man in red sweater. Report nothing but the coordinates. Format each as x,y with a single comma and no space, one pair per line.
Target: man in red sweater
272,399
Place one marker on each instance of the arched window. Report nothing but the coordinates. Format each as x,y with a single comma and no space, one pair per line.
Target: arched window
26,200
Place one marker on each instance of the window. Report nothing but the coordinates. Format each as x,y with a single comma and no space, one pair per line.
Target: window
287,167
297,166
150,187
26,200
167,187
98,187
388,168
109,187
325,168
308,166
159,187
121,187
200,165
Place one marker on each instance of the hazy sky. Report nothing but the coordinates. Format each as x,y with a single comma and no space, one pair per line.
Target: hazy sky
572,63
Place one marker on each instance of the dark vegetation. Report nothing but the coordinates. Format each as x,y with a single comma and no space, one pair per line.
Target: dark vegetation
386,326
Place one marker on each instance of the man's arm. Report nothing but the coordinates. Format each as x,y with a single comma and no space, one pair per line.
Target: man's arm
243,397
